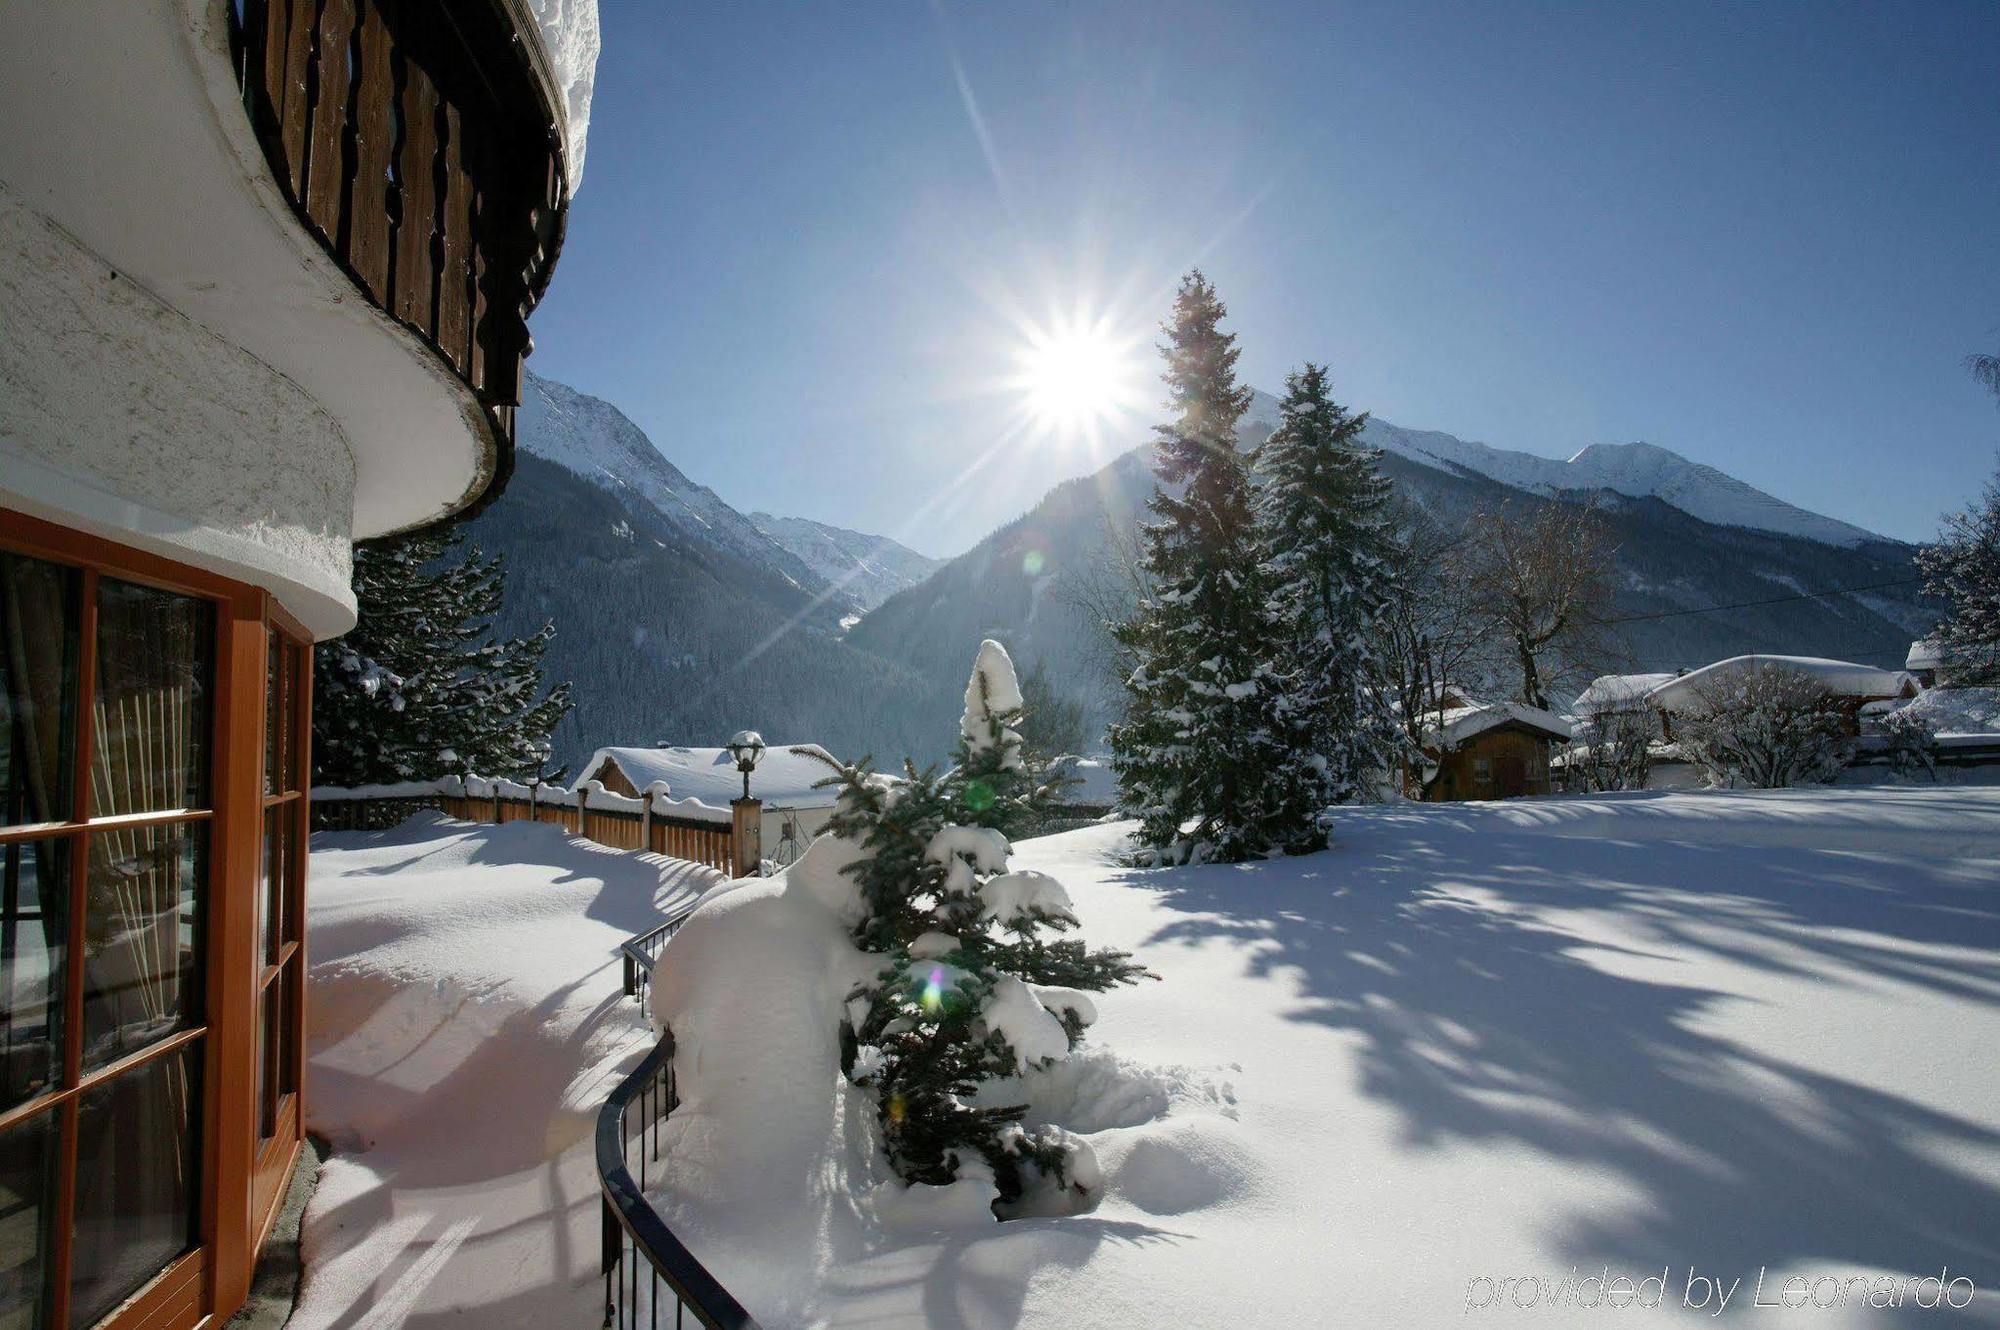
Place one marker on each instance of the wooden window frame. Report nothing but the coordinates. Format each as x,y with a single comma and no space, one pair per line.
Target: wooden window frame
240,1170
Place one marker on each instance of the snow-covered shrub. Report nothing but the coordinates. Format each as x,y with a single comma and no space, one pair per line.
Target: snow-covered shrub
971,984
1613,751
1909,742
1766,729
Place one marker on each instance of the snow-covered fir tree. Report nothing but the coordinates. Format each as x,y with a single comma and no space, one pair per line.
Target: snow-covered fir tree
1963,570
977,984
1215,751
999,769
420,687
1330,549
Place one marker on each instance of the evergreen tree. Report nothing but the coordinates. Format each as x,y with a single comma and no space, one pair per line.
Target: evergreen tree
975,984
1214,753
420,687
1963,570
1331,552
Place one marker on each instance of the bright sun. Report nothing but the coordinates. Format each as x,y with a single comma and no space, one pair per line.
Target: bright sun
1076,375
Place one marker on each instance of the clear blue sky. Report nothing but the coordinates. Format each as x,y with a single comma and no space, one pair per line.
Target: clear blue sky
1763,235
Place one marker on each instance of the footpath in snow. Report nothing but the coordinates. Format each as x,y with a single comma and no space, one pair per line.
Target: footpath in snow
466,1018
1464,1067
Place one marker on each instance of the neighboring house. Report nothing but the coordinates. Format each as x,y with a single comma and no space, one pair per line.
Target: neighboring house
1923,661
1617,694
1852,686
1490,750
795,806
1094,786
243,324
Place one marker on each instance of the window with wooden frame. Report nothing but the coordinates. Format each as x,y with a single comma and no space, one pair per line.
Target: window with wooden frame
104,889
142,1144
281,903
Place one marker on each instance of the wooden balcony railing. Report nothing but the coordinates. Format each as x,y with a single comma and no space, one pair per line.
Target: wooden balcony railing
418,142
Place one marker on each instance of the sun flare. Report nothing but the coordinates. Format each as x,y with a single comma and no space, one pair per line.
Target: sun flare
1076,375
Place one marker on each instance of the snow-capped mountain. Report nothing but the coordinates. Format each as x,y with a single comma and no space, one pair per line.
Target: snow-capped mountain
868,568
1635,470
599,442
1689,539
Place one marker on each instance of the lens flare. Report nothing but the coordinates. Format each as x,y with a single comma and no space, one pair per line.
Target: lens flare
1078,373
933,997
978,796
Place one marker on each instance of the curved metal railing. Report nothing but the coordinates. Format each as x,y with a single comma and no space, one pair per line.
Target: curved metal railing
647,1270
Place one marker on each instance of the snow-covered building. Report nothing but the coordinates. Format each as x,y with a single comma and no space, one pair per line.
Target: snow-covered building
1614,693
1923,661
1490,750
265,268
786,780
1853,686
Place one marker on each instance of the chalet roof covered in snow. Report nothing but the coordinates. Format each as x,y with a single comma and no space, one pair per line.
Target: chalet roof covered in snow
1924,655
570,38
1616,692
1842,678
1461,723
783,779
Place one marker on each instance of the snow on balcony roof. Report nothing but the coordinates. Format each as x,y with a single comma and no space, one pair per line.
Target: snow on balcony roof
1608,692
783,779
1843,678
1462,723
570,39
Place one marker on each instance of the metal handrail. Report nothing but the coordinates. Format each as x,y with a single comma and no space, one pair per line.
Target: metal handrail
632,1225
640,951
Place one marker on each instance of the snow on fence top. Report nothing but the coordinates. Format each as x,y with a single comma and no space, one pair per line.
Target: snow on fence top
1842,678
783,779
591,792
1617,692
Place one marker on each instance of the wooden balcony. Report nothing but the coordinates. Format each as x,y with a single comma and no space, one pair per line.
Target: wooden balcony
418,140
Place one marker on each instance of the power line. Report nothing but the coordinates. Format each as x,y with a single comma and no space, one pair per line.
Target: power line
1774,600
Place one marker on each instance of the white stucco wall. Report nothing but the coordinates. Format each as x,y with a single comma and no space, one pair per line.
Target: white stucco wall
120,415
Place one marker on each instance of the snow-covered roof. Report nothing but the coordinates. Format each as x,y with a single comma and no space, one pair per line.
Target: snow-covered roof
1842,678
1461,723
783,779
570,38
1613,692
1924,655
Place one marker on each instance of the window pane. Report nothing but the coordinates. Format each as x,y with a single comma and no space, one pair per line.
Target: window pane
274,724
136,1182
34,917
141,915
269,1052
38,645
150,750
27,1196
274,900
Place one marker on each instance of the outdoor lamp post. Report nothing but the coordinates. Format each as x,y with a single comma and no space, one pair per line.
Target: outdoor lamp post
747,822
748,750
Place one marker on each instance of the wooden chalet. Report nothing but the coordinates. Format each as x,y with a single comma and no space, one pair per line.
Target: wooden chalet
265,268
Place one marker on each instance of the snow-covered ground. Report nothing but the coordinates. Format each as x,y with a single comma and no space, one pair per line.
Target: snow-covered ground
465,1019
1662,1032
1655,1035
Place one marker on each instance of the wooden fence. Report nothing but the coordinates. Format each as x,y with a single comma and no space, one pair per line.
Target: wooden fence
699,840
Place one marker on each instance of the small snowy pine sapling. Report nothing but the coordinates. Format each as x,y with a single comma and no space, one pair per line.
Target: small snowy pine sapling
1010,788
969,991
